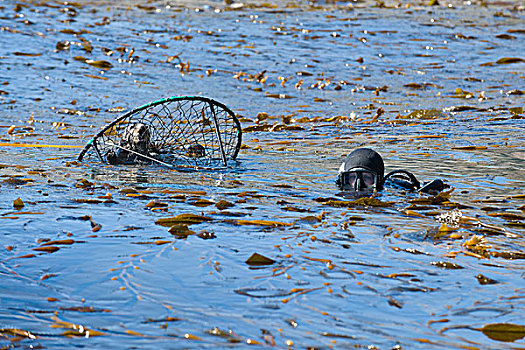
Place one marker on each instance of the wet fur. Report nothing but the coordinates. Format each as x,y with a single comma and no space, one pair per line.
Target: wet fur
135,138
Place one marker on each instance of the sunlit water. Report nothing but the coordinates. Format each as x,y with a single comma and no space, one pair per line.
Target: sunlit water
342,277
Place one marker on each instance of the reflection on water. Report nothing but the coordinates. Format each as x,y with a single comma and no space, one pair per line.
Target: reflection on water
84,256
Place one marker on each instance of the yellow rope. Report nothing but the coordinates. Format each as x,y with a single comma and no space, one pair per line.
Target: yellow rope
7,144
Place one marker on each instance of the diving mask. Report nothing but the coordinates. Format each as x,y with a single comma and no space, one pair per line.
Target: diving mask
358,180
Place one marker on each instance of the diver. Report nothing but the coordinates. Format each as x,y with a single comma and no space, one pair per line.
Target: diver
363,171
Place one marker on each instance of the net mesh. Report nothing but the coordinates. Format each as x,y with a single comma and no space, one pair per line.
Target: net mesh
174,132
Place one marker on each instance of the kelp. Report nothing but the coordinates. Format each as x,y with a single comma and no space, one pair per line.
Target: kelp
361,202
95,63
180,230
223,204
18,203
423,114
75,330
502,332
268,223
229,335
446,265
505,332
14,333
257,259
83,309
187,219
483,280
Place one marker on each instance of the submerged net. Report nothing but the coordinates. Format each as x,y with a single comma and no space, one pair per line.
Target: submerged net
177,131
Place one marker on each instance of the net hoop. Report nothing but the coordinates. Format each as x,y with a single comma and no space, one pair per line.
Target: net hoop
182,131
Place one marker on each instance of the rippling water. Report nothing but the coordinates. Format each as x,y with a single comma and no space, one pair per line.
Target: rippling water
342,277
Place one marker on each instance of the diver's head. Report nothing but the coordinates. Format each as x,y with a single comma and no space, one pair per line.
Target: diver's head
362,170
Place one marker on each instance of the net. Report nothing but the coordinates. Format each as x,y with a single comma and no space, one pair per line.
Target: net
176,131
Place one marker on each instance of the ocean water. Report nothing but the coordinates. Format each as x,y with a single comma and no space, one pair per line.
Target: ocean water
436,90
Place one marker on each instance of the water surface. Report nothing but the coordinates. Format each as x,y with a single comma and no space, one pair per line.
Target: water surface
342,277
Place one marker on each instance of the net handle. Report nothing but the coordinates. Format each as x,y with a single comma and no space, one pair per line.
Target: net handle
142,155
223,154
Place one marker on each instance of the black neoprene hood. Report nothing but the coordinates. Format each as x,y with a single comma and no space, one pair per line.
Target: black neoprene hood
368,159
